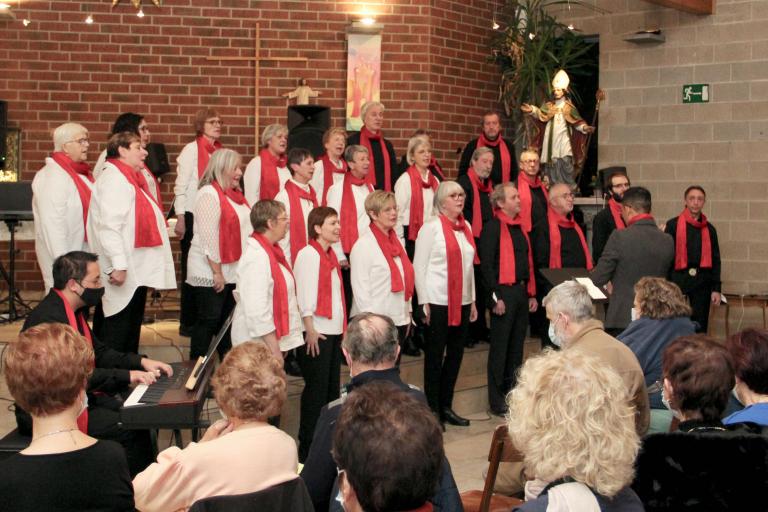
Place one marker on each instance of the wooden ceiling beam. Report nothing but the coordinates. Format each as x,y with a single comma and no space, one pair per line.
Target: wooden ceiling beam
693,6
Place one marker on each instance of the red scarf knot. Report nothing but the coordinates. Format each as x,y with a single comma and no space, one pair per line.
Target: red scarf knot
416,219
73,169
557,221
366,136
205,148
681,240
147,233
478,185
507,271
348,214
329,169
298,225
392,248
328,262
270,178
454,260
615,209
230,244
280,287
524,185
506,159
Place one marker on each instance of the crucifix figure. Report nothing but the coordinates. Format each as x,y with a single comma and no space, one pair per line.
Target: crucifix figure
257,59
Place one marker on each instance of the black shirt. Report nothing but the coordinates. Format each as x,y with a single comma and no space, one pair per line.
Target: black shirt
490,252
377,159
571,252
496,176
708,278
602,227
486,212
95,478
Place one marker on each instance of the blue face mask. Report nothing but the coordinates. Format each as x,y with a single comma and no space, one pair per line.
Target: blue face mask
666,403
554,338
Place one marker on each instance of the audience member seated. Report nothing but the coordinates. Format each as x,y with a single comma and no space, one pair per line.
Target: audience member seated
661,313
63,468
371,349
389,450
242,454
749,350
571,418
705,465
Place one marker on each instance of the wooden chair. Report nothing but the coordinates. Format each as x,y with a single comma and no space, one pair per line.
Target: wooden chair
502,450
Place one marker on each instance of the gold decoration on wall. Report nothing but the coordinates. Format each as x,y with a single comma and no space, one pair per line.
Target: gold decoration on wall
137,3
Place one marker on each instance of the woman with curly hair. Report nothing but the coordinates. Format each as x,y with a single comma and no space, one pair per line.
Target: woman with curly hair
239,455
661,314
571,418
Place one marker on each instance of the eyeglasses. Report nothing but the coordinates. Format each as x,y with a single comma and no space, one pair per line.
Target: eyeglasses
82,142
215,122
457,195
530,161
284,218
567,195
621,185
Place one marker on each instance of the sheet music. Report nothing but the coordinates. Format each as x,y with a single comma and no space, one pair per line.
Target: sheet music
135,396
594,292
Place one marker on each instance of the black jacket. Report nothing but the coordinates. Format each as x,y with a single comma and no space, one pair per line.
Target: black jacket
319,472
486,211
707,278
490,256
377,159
602,227
466,160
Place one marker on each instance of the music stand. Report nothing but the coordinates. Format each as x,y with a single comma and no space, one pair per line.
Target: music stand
15,206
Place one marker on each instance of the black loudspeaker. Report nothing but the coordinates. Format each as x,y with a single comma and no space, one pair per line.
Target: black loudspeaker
3,132
306,126
157,159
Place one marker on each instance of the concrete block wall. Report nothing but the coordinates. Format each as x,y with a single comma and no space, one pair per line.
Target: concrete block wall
667,145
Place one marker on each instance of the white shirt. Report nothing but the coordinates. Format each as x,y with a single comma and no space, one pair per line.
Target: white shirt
205,242
372,282
318,178
359,193
58,214
252,179
187,179
431,265
306,270
403,200
306,207
151,183
111,234
254,314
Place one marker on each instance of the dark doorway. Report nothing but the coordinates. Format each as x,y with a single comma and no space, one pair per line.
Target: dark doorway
585,83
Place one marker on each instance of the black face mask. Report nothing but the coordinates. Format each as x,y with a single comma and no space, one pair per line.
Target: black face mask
92,296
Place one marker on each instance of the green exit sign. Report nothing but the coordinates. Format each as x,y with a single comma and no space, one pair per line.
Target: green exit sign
696,93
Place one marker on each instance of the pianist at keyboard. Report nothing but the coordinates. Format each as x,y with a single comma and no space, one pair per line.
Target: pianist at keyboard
77,287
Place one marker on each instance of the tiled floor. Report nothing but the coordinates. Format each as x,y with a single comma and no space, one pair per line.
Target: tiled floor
466,448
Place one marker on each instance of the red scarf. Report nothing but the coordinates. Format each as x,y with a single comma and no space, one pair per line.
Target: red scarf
615,208
328,262
147,234
557,221
640,216
435,168
73,169
454,259
366,136
76,320
348,214
506,160
270,178
477,187
507,252
298,223
230,245
392,248
280,287
329,169
681,240
524,186
205,148
416,219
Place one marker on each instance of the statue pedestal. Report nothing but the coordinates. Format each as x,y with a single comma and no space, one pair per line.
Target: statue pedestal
589,206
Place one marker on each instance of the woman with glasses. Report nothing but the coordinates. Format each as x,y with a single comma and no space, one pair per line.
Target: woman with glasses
61,196
445,283
267,309
191,164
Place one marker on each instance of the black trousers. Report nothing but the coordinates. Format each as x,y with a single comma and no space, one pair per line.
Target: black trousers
507,340
212,309
442,356
478,330
700,299
346,283
322,382
187,300
122,330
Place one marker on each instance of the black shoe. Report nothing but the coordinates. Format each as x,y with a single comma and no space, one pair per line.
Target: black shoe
409,349
470,343
451,418
501,413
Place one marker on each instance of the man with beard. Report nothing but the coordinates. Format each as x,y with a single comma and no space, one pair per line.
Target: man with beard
503,150
609,219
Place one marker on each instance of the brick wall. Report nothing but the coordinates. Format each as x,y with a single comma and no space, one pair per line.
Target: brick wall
666,145
60,69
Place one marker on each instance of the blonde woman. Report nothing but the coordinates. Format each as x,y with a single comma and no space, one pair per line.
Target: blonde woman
571,418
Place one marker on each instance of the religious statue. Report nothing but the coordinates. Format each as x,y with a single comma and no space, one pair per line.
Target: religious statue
559,133
302,93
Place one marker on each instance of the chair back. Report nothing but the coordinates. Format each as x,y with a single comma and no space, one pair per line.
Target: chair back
290,496
502,450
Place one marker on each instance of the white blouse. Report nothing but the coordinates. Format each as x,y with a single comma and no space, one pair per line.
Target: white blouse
185,188
58,214
252,179
205,242
403,199
318,178
431,265
151,183
359,193
254,316
372,282
306,207
306,270
111,234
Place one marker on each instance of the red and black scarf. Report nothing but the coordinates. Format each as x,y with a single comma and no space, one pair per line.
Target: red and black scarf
506,159
366,136
507,269
557,221
524,185
477,187
681,240
615,209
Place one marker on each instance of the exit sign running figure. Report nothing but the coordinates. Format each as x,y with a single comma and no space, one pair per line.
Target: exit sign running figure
696,93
